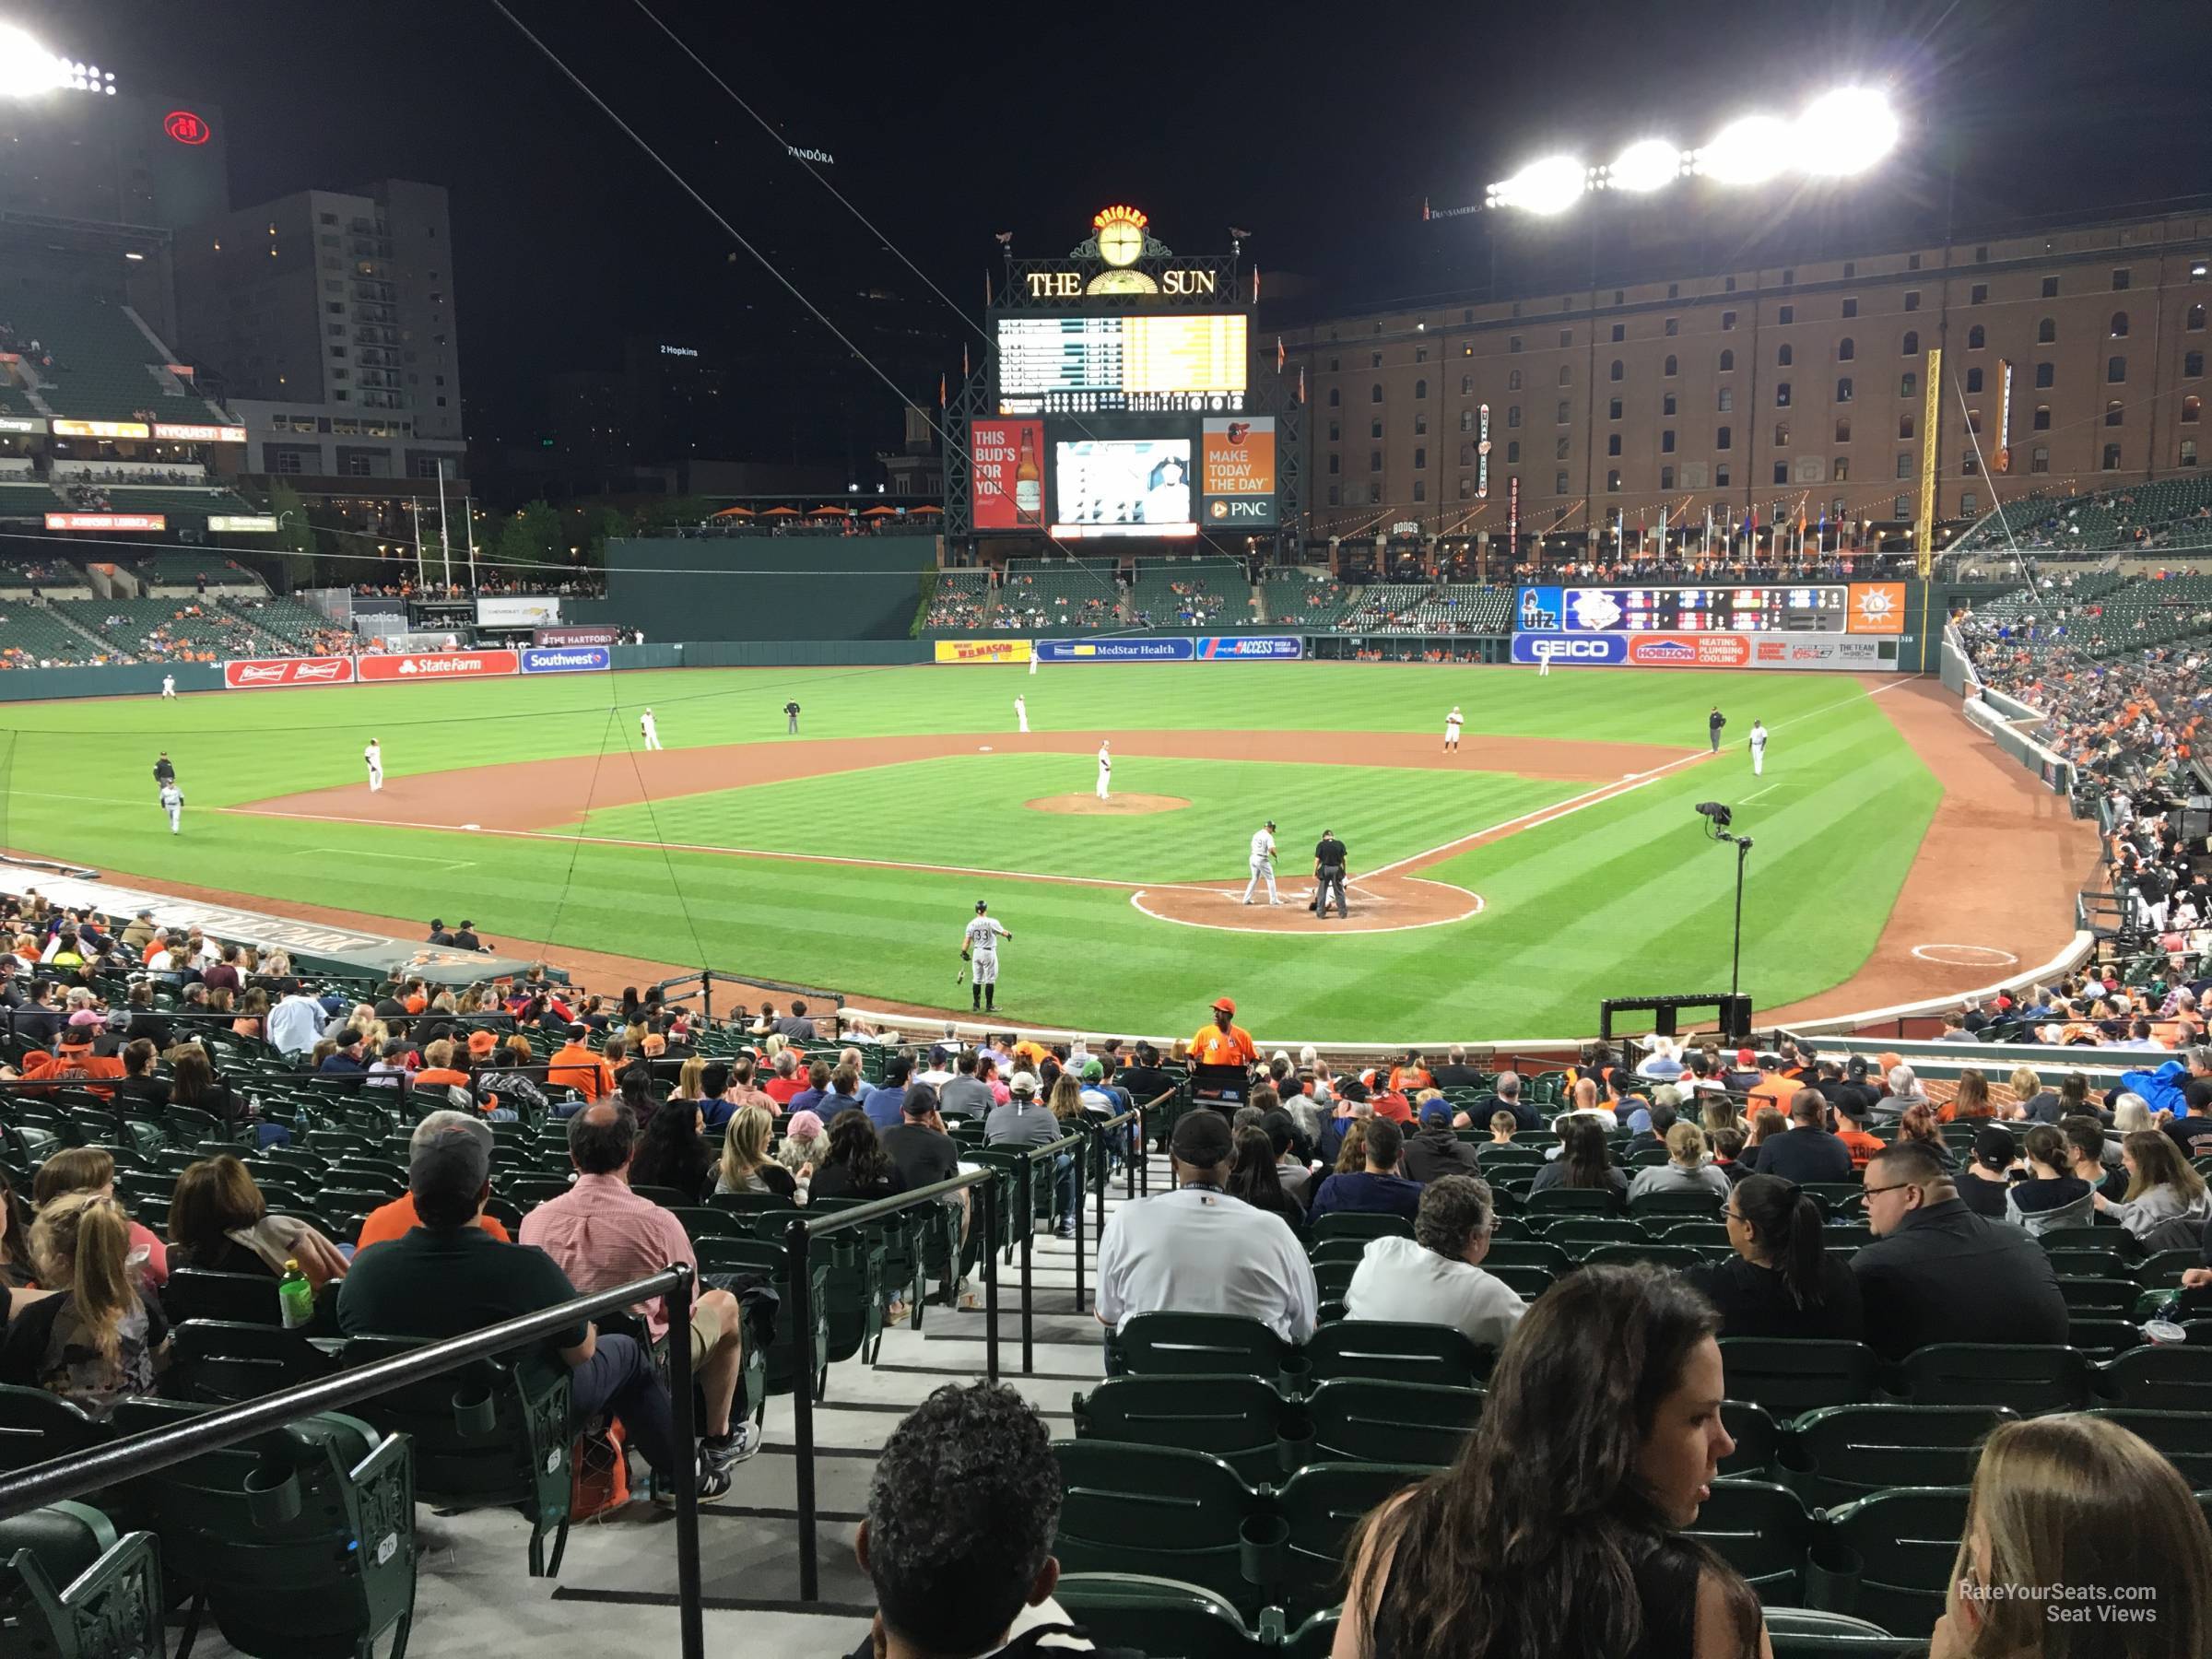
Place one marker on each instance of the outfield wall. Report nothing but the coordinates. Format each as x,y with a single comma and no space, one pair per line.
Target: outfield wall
768,587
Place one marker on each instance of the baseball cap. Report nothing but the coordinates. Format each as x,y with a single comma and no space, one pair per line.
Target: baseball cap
1855,1067
1022,1083
1280,1130
580,1030
804,1125
1201,1137
1746,1057
88,1016
482,1042
982,905
1227,1005
449,1158
1436,1111
1092,1071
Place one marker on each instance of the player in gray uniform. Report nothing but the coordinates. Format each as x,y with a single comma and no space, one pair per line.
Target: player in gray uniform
172,802
979,949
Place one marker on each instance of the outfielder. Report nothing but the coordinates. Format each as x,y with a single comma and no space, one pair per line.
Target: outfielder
172,802
979,949
374,758
649,731
1021,713
1105,769
1759,748
1262,863
1451,723
1543,658
169,687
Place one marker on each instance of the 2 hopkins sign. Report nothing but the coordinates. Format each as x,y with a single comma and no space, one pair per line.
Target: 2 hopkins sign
272,673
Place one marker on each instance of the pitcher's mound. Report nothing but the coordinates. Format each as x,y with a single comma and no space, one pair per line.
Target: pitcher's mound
1120,806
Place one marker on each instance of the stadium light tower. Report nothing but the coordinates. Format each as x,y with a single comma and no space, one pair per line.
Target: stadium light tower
28,70
1840,133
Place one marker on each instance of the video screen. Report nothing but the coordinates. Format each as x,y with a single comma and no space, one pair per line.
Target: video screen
1147,364
1124,487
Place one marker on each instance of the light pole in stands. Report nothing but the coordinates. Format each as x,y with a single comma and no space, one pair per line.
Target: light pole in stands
1717,819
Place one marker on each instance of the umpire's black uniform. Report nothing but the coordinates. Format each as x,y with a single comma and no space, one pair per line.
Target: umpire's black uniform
1713,723
1329,860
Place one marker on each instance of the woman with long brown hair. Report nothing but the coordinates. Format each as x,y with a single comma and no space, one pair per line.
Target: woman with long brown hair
218,1222
1971,1100
1557,1533
1583,1160
103,1336
1918,1124
92,1169
2167,1205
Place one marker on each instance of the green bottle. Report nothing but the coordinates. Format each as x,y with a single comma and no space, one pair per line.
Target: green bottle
295,1298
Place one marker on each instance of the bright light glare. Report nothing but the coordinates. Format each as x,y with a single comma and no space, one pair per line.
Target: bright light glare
26,68
1648,164
1551,185
1749,151
1845,131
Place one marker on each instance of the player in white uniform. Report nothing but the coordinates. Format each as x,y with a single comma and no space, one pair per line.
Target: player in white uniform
1021,713
374,756
1543,658
1262,863
979,949
172,802
1452,724
649,731
1759,748
169,687
1105,769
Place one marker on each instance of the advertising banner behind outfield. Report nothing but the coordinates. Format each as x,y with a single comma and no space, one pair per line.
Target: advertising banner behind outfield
567,659
1708,651
1249,648
268,673
984,651
514,610
1114,651
438,665
577,635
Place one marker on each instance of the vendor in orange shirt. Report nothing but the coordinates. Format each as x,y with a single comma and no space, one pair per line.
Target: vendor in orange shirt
1224,1043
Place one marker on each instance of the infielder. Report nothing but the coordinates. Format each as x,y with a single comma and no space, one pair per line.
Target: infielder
1105,769
1759,748
649,731
1021,713
979,949
169,687
172,802
373,755
1262,863
791,716
1451,723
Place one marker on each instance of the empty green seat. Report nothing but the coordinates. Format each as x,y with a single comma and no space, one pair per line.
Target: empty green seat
1845,1453
2029,1378
1805,1633
2183,1438
2161,1378
1763,1531
1790,1376
1320,1506
218,1362
1758,1439
1889,1557
1361,1224
1158,1510
1362,1419
71,1589
1395,1352
1158,1617
1235,1418
36,1426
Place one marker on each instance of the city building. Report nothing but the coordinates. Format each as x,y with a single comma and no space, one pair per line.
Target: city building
2072,357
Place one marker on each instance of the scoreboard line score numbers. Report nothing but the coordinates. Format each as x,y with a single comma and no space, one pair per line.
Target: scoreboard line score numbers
1074,365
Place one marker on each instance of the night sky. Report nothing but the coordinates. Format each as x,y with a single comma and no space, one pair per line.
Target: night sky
1320,128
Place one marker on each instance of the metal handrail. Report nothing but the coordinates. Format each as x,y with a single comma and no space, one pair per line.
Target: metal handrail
138,1454
800,1231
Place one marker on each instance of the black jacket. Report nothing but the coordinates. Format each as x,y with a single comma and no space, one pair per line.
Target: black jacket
1435,1152
1803,1155
1946,1275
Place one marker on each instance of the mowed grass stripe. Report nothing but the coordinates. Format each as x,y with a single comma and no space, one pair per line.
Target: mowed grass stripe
969,811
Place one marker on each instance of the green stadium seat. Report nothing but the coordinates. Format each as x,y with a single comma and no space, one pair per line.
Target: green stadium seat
2103,1340
1763,1531
1395,1352
1840,1454
1804,1633
1235,1418
1578,1235
1758,1439
1162,1617
1889,1557
1674,1256
1527,1283
239,1297
2028,1378
1321,1505
1658,1208
1790,1376
1360,1225
71,1589
2160,1378
1362,1419
1162,1511
787,1359
2183,1437
36,1426
2098,1297
218,1362
1540,1253
1573,1201
1199,1345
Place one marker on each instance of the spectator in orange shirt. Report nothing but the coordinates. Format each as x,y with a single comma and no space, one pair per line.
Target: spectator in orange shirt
76,1062
1386,1102
1410,1076
1971,1100
389,1221
1224,1043
786,1082
573,1065
1850,1129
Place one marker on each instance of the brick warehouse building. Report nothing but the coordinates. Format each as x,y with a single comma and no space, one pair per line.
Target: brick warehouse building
1768,387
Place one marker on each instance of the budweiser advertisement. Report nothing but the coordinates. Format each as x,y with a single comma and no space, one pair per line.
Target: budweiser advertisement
440,666
268,673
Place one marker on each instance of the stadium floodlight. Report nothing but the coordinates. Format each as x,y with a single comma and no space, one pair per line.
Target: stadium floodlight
1546,187
1749,151
1847,131
26,68
1648,164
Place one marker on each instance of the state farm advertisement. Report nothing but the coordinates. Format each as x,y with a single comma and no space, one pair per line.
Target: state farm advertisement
1006,468
441,665
267,674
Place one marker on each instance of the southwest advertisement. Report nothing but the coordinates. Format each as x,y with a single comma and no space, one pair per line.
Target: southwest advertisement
1236,472
567,659
982,651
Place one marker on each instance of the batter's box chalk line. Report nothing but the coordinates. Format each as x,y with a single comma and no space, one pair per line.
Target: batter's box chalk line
1966,955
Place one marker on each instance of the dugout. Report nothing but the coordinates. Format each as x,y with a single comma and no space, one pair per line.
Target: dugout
768,587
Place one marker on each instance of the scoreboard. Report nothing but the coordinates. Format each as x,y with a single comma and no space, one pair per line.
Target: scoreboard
1689,610
1170,363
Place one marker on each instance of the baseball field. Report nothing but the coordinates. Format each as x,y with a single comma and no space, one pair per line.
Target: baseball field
1502,890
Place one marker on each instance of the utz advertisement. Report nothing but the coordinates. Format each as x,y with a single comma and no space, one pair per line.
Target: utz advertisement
440,666
567,659
266,674
1236,474
1114,651
1248,648
1007,473
982,651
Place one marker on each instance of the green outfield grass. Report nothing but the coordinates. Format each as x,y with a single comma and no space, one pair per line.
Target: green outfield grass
1621,897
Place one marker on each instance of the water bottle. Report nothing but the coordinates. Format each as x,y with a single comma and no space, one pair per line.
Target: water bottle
295,1298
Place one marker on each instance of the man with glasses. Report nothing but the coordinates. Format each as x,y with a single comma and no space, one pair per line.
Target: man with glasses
1937,1272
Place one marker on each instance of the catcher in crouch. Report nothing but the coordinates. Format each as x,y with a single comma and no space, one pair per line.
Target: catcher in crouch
979,949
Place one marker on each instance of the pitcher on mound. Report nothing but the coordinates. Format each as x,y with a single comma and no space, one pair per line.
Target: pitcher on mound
1105,771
